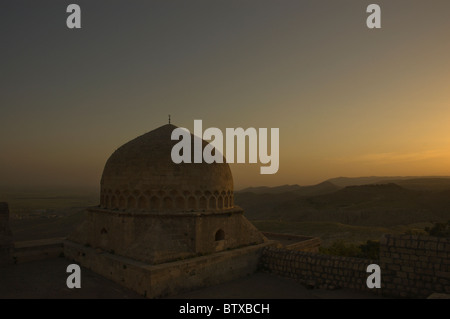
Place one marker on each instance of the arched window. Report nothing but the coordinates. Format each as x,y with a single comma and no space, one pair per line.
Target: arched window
180,203
192,203
143,203
202,203
220,235
113,202
131,202
212,203
154,203
220,202
122,202
168,204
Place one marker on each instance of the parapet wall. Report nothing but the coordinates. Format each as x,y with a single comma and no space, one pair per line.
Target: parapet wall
411,266
317,270
415,266
26,251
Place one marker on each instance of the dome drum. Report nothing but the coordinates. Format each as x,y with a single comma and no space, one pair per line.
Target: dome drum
166,200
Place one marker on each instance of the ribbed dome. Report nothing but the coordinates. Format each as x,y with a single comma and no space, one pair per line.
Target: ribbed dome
141,176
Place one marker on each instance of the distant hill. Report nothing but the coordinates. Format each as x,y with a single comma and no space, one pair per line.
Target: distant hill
349,181
424,184
271,190
366,205
259,202
322,188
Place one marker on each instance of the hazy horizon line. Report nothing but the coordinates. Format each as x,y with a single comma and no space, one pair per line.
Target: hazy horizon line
85,188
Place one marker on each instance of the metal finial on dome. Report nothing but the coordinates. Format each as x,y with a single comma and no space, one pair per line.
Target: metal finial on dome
169,118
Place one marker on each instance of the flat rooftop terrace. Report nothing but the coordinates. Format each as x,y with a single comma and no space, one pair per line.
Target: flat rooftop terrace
47,279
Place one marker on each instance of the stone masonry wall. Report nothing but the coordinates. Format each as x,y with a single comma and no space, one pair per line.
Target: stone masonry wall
411,266
317,270
414,266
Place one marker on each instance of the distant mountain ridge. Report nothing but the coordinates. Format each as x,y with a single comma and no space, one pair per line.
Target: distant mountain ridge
321,188
271,190
380,202
423,184
334,184
350,181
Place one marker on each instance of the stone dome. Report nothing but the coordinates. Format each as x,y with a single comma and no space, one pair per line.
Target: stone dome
141,176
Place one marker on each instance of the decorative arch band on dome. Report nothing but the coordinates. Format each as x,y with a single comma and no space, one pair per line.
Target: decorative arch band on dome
172,200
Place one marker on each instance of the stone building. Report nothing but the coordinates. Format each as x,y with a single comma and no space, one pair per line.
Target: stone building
156,212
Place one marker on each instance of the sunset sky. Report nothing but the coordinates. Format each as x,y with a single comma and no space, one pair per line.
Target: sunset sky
348,101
